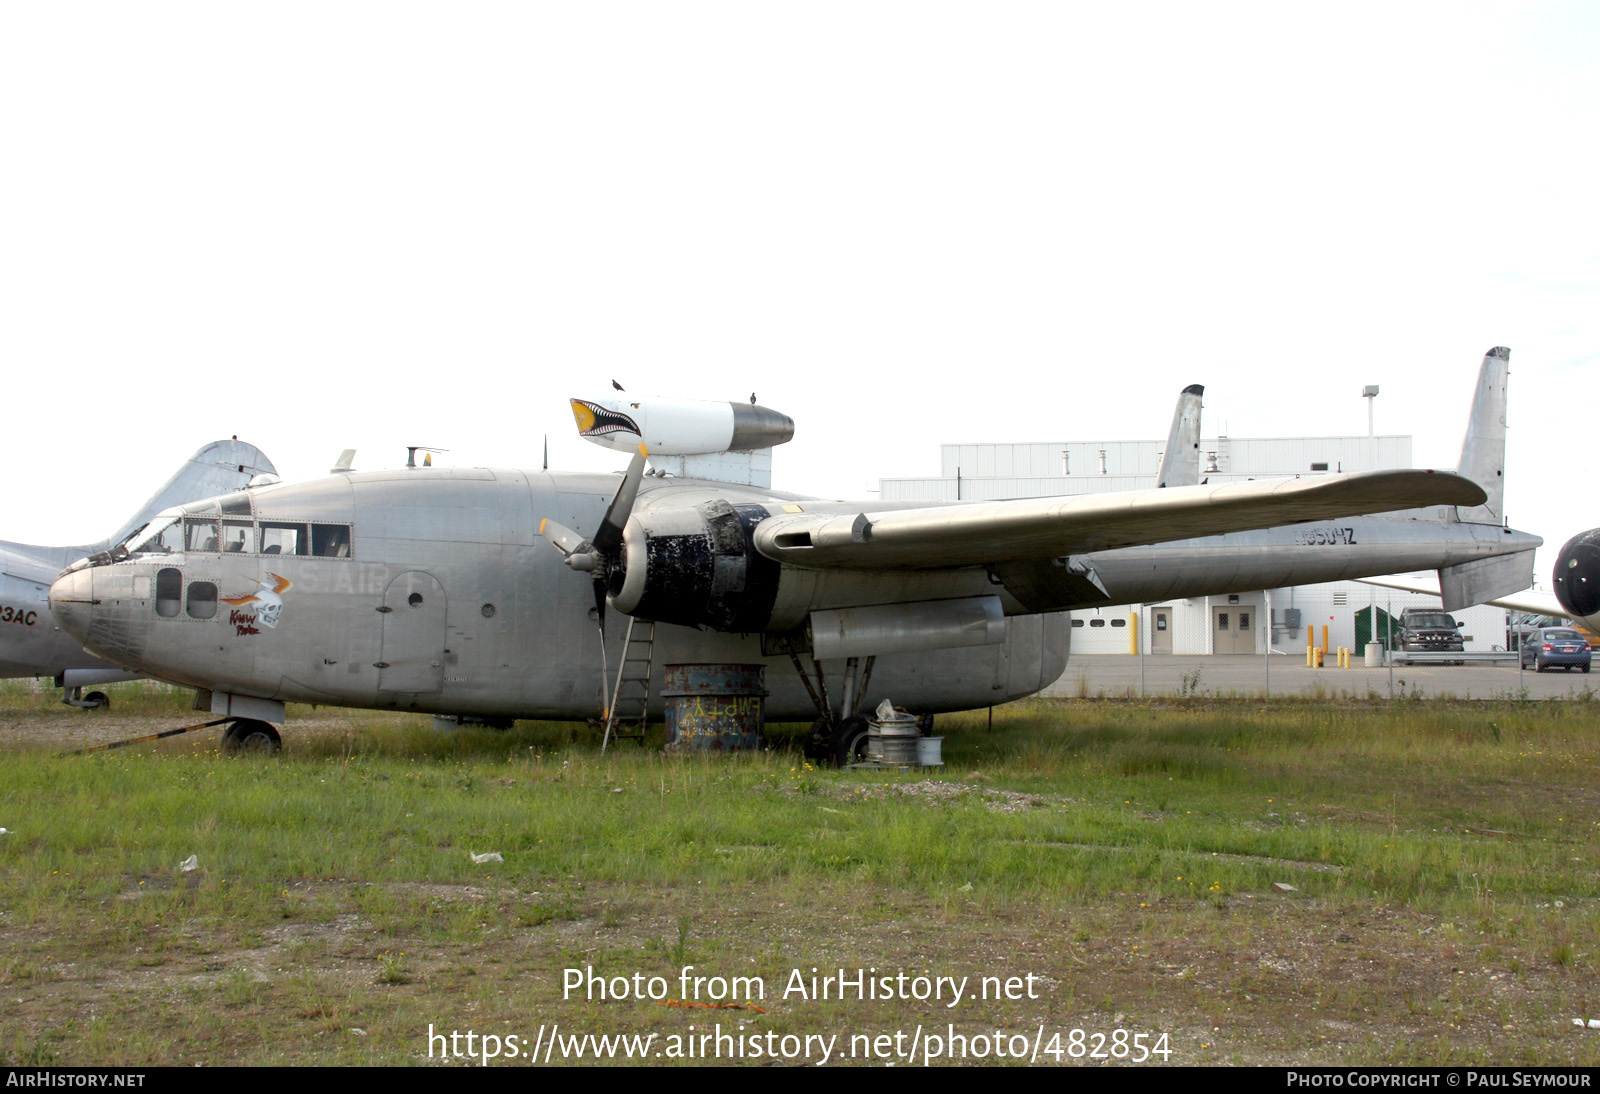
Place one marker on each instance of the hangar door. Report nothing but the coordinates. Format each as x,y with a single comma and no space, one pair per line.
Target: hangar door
413,634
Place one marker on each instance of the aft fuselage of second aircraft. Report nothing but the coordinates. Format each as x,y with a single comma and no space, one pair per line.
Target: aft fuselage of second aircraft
431,590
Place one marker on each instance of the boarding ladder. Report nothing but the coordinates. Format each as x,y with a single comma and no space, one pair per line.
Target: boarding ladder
628,716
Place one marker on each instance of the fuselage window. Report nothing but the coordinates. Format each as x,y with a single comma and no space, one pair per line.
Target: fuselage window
202,599
283,539
330,540
238,536
199,535
169,588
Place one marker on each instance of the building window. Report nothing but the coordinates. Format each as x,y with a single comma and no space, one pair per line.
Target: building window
1119,622
1077,622
1319,467
1097,622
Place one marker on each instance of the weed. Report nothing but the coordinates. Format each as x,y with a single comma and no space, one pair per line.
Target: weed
392,969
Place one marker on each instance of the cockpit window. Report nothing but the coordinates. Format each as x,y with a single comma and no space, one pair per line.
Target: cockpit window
238,536
330,540
200,535
163,535
236,505
283,539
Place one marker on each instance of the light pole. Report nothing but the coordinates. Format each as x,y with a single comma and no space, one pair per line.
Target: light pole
1370,394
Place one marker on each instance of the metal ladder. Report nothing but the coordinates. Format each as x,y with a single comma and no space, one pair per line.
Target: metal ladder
632,689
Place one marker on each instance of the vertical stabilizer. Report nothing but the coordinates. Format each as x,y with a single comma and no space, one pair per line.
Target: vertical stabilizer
219,468
1483,452
1180,463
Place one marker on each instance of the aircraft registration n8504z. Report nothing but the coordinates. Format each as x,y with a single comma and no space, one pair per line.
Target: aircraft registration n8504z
484,593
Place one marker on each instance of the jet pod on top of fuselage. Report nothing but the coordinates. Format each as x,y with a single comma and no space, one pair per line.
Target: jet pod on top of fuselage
680,427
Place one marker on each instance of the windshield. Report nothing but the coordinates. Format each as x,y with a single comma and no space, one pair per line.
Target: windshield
161,536
1432,619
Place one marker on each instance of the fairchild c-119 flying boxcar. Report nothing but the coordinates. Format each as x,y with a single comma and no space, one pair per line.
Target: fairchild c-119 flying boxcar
477,592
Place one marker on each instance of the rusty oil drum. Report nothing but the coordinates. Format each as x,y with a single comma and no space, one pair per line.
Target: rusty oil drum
713,708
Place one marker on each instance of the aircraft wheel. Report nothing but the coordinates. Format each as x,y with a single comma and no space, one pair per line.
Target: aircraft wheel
249,735
97,700
819,742
850,741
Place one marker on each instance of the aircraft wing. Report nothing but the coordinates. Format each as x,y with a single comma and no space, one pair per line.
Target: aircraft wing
1530,600
1038,528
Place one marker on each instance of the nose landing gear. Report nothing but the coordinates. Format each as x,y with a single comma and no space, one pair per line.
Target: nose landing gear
249,735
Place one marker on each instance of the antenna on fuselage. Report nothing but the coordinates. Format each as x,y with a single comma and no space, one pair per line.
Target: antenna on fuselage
411,455
547,452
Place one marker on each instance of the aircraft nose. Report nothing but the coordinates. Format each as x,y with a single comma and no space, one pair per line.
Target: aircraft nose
71,601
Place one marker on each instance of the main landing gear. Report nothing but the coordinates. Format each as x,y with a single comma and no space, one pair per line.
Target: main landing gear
840,737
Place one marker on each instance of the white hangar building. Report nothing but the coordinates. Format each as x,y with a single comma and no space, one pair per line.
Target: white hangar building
1238,623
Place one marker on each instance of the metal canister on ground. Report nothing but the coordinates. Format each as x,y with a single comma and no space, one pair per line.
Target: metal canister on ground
713,707
892,738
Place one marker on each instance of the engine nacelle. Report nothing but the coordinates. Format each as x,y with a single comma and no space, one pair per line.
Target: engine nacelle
1577,575
680,427
696,567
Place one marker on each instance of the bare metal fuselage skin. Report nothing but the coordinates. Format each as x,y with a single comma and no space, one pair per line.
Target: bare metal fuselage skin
483,618
446,599
30,642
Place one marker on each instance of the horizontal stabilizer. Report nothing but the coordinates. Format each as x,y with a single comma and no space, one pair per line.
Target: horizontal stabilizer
1484,579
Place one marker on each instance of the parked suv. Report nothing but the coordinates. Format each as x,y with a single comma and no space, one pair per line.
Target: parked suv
1428,630
1551,646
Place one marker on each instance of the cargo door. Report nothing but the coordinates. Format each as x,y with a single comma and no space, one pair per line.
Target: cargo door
413,634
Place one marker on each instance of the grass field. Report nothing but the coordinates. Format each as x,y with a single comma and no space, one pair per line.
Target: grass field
1260,882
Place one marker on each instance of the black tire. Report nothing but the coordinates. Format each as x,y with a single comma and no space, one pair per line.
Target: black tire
819,743
1585,668
246,735
97,700
1538,666
850,741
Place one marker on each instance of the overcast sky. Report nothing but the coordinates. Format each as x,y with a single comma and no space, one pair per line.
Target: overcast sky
324,225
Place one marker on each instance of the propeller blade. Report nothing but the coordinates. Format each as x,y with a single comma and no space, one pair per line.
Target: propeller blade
608,537
565,539
600,608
